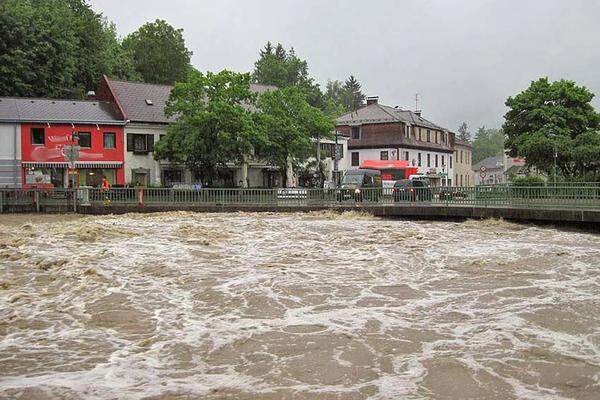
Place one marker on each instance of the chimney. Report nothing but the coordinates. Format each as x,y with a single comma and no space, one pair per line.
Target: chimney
91,95
372,100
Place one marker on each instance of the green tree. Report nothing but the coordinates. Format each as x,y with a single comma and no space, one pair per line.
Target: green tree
55,48
158,52
283,68
290,125
353,97
344,96
487,143
214,123
463,133
553,118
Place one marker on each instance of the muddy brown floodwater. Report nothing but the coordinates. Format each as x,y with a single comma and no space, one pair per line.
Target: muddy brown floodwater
296,306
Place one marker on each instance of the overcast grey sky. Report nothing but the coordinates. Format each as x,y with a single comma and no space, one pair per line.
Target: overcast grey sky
464,57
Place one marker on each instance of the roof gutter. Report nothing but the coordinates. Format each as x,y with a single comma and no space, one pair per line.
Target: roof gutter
65,121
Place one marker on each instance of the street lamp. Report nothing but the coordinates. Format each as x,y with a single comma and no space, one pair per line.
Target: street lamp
553,135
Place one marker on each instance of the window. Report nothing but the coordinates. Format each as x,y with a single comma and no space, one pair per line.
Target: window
406,155
461,180
450,161
461,156
407,131
356,132
420,135
383,155
428,160
110,140
436,135
443,162
355,159
436,161
140,143
419,159
38,136
172,177
85,139
428,136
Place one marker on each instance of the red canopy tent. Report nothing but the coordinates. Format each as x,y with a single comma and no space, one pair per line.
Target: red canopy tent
390,169
384,164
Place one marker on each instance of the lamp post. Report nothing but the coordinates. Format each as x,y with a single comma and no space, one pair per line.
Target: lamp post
553,135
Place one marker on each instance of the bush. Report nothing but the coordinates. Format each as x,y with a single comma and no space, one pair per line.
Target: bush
532,180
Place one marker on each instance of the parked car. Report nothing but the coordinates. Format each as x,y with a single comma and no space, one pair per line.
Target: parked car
411,190
361,185
452,194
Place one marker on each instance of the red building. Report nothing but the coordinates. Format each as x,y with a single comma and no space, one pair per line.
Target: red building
46,126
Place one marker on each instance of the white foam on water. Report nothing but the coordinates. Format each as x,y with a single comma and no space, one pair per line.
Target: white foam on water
214,304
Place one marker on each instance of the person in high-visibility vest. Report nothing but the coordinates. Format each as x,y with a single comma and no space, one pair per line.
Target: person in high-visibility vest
105,189
105,184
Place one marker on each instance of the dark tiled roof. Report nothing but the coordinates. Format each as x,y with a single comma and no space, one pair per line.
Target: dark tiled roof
462,143
54,110
490,163
132,97
379,113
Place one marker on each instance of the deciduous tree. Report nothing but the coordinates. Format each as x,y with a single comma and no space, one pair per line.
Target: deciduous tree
290,125
159,53
553,117
215,124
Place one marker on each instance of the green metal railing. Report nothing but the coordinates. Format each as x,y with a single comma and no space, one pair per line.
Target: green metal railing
567,197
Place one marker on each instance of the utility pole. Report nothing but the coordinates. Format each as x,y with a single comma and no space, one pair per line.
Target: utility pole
336,162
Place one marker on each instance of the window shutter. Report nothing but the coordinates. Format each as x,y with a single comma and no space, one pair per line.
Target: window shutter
150,142
129,142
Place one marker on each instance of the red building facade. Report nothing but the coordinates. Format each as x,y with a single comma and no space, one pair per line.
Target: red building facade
46,126
101,154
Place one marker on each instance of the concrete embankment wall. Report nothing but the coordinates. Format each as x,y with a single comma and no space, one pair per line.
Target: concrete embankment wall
396,211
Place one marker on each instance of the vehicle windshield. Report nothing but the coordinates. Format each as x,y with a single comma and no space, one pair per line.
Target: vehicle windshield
352,179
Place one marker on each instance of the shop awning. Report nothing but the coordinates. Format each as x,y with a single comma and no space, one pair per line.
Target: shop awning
78,164
384,164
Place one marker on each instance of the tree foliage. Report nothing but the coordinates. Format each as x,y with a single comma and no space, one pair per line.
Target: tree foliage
463,133
551,118
488,142
345,96
56,48
159,53
214,125
290,124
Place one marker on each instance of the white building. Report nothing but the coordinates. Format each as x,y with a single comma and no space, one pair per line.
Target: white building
10,154
143,105
379,132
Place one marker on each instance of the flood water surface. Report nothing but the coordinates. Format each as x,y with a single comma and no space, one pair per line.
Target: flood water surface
296,306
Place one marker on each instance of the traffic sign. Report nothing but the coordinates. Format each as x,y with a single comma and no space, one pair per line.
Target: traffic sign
71,154
483,168
482,175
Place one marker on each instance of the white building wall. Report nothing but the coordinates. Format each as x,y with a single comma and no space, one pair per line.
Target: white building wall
443,165
143,161
10,155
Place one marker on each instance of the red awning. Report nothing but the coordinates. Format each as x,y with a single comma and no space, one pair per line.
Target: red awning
384,164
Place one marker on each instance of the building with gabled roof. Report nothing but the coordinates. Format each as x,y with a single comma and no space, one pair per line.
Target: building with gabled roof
379,132
143,106
34,131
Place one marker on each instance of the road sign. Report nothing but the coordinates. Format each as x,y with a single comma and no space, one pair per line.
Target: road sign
71,154
482,175
483,169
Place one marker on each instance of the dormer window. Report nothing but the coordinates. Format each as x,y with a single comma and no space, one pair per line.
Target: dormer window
355,132
149,102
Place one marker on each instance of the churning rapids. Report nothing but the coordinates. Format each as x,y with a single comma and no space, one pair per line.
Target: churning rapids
296,306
